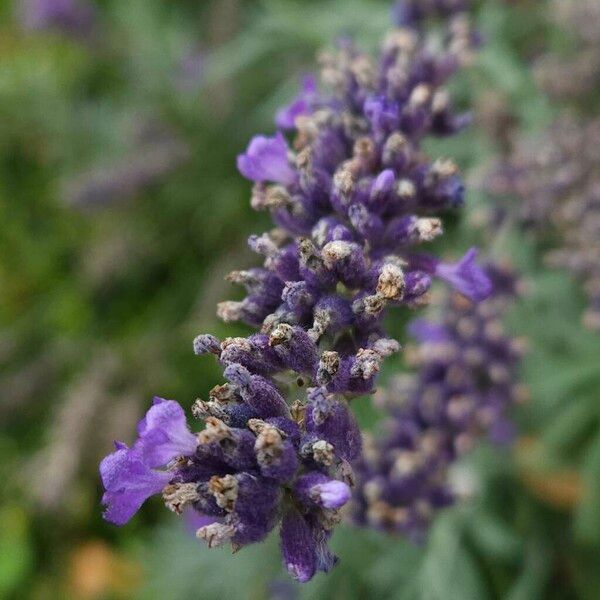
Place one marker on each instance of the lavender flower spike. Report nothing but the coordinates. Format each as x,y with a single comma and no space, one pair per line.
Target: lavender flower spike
465,385
352,194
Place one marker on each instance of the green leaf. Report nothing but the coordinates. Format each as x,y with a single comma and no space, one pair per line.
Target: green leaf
16,556
587,518
449,571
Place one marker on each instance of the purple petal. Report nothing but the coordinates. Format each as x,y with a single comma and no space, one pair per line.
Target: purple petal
194,520
266,159
466,276
427,332
298,546
128,482
316,489
164,434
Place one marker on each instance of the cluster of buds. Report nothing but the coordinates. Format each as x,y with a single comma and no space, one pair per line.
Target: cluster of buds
555,178
351,193
578,74
465,382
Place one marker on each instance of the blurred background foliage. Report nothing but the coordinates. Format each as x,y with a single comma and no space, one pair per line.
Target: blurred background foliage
121,212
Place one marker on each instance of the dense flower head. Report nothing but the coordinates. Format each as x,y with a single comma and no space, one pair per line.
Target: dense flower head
554,178
351,193
465,382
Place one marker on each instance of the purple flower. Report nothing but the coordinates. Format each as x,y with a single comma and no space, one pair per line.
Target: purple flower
74,17
129,476
267,160
164,434
466,276
302,105
129,482
557,192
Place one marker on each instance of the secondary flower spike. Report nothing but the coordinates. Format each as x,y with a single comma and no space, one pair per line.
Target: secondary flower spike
352,194
553,180
465,384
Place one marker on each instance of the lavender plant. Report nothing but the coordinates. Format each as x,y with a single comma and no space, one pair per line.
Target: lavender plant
464,384
576,75
554,175
351,193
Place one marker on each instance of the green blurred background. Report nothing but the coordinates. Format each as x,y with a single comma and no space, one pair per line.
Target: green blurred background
120,213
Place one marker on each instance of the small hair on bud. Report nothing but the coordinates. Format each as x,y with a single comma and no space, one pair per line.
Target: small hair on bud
333,252
386,347
215,534
206,343
203,410
391,283
428,229
225,491
366,364
177,495
281,334
214,431
323,452
237,374
221,393
230,311
263,244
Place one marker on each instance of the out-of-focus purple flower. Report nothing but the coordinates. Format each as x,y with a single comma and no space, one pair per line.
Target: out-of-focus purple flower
465,385
190,73
150,162
551,184
466,276
574,75
74,17
267,160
